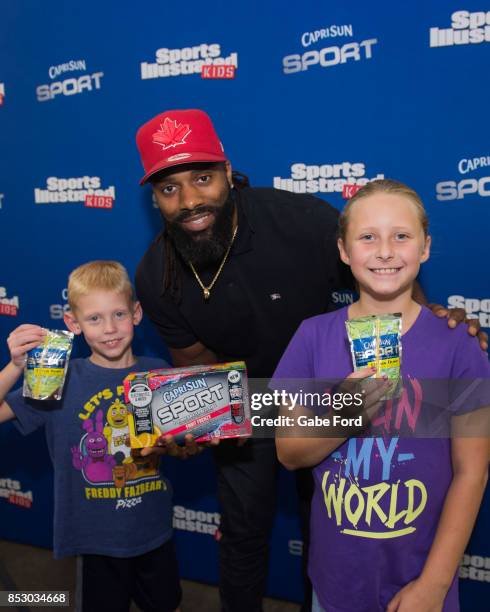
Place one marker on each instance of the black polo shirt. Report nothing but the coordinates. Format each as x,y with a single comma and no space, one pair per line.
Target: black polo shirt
282,268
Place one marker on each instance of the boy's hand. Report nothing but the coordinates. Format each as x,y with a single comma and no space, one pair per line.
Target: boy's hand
23,339
456,316
417,596
166,445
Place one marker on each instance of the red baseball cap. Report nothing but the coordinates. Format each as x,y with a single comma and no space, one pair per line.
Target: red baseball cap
177,137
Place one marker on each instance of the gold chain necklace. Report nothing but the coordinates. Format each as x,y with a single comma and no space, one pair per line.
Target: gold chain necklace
206,291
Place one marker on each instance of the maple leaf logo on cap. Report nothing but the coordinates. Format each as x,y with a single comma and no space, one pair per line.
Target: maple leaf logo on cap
171,133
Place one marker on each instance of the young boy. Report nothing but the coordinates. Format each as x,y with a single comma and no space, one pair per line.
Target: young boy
111,509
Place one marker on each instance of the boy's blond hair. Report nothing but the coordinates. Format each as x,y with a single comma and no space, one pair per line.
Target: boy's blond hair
98,275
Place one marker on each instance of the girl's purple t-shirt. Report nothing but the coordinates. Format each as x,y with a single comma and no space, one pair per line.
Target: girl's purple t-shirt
378,500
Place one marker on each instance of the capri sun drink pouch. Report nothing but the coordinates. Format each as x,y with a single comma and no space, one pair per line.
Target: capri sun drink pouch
46,366
376,341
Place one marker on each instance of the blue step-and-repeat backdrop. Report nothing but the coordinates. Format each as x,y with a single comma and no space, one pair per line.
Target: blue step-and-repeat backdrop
308,96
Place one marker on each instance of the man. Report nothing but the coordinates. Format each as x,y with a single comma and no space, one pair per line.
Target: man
231,276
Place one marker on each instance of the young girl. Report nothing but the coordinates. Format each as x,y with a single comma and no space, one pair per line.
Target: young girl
391,515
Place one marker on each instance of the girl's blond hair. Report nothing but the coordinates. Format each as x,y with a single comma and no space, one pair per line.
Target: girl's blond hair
384,186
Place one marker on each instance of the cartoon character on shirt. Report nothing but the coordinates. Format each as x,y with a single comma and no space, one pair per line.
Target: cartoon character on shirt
116,430
95,463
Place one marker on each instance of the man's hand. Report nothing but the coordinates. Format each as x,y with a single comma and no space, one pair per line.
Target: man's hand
166,445
456,316
22,340
417,596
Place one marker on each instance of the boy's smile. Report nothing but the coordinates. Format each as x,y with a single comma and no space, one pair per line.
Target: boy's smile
385,270
107,321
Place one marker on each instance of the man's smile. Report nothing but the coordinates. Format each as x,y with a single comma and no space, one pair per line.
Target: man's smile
198,222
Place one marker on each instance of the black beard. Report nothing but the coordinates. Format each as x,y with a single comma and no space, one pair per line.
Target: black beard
203,251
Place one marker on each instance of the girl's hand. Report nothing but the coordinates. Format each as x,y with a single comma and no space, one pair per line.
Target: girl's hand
417,596
373,389
23,339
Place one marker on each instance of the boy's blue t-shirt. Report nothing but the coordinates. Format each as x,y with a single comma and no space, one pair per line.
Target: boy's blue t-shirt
106,502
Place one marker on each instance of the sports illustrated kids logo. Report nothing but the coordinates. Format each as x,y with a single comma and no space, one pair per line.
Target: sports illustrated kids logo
196,521
467,184
203,59
321,52
86,189
9,306
345,178
218,71
56,311
11,490
2,93
475,567
476,308
70,86
466,29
